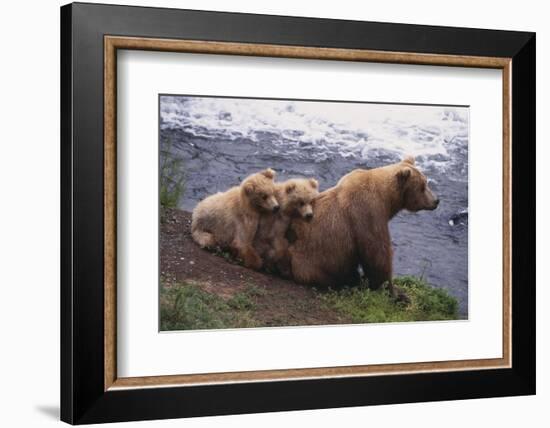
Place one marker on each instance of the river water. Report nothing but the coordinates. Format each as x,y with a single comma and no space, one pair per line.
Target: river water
222,140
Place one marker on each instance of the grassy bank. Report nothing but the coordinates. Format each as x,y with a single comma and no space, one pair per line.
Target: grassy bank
186,306
172,176
362,305
189,307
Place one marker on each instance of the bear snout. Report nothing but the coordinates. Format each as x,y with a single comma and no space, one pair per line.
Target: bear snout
276,208
306,212
435,203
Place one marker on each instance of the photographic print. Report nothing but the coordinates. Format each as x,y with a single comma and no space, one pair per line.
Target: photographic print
277,212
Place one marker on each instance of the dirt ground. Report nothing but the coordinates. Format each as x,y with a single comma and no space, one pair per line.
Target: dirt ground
281,302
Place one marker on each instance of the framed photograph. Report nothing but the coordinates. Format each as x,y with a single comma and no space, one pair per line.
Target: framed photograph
266,213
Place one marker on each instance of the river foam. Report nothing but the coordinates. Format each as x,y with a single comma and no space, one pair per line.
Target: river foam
432,133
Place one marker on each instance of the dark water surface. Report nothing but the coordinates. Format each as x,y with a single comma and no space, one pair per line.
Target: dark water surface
221,141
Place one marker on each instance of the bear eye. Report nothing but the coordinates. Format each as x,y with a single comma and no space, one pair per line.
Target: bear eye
302,203
264,197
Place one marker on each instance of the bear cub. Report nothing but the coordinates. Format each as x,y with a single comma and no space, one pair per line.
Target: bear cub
295,198
230,219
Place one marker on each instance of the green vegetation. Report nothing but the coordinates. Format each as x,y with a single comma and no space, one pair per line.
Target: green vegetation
362,305
188,306
226,255
172,177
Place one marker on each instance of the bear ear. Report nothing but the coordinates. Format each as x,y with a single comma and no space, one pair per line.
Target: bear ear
269,173
314,183
403,174
249,188
289,188
409,160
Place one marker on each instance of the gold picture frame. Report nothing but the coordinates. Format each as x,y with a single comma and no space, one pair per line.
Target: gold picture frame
114,43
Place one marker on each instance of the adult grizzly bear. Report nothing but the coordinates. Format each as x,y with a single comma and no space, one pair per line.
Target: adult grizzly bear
230,219
350,226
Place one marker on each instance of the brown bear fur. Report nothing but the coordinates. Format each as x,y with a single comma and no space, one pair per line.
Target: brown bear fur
229,220
294,198
350,226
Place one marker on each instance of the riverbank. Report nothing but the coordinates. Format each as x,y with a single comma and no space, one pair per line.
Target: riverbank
204,290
